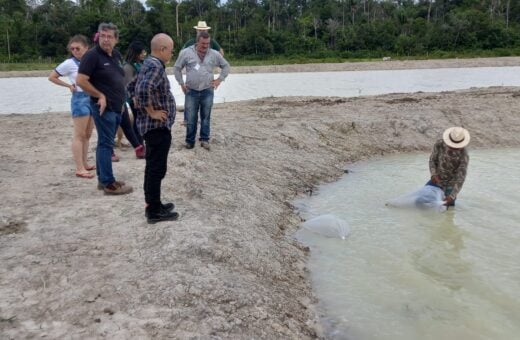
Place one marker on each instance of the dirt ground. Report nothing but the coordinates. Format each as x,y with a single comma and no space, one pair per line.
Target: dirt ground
77,264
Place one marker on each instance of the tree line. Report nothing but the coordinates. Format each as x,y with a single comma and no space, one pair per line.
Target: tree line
259,29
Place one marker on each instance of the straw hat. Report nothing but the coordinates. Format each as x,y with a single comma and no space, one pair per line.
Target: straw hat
202,26
456,137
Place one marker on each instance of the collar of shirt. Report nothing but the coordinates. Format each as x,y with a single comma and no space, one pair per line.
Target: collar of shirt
163,65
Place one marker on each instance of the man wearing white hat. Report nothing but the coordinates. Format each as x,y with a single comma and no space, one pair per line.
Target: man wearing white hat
449,162
202,26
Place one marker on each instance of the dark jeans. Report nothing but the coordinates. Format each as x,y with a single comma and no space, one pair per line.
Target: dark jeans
106,126
158,143
196,102
128,129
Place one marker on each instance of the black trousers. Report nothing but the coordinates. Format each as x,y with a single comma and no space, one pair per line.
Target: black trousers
128,129
158,143
134,125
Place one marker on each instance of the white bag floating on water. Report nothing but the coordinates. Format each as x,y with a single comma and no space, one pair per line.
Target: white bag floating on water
429,197
328,225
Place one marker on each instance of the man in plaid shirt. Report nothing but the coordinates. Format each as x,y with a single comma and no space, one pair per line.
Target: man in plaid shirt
155,116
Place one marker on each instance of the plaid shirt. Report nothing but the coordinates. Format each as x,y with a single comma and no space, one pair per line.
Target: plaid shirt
151,87
450,165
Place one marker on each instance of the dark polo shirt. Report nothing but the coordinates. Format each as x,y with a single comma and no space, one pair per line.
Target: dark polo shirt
106,74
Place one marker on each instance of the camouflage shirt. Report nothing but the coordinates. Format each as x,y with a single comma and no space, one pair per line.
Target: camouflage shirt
450,165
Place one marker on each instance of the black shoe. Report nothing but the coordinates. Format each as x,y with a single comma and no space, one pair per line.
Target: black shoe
189,146
162,216
164,207
168,206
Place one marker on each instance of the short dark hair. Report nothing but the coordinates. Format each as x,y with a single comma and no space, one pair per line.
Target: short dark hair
202,35
108,26
78,38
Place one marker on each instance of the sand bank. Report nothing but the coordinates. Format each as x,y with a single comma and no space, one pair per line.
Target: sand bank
346,66
80,264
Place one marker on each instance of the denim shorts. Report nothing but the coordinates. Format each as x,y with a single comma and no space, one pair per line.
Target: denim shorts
80,104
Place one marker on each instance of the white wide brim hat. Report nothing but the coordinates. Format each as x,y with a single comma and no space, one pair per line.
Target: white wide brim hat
201,25
456,137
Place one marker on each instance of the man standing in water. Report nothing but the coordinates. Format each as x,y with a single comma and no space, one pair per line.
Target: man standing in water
100,75
449,162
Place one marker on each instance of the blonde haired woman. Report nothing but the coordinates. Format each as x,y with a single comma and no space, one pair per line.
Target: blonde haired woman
80,104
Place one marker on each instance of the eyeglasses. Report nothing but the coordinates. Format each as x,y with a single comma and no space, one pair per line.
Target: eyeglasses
106,37
75,48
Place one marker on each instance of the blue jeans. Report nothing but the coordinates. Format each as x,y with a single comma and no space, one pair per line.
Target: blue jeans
80,104
106,126
194,102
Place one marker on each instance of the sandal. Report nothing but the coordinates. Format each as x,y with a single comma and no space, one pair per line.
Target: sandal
84,175
90,168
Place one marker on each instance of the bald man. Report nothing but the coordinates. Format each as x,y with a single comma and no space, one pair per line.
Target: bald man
156,109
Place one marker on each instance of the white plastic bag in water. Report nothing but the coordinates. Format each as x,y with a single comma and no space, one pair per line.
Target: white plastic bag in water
428,197
328,225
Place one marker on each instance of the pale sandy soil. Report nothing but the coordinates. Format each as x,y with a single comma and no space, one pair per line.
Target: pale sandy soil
77,264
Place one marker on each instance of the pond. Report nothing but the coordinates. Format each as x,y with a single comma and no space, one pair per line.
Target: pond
38,95
404,274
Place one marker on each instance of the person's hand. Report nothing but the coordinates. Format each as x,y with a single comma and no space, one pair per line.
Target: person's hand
184,88
436,179
102,103
449,200
72,88
216,83
157,114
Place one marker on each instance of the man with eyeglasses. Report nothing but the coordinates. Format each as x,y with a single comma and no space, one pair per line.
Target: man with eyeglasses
100,75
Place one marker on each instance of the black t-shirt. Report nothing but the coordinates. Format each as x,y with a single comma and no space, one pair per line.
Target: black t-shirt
106,74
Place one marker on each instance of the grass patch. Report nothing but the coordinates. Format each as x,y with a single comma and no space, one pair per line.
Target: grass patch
26,66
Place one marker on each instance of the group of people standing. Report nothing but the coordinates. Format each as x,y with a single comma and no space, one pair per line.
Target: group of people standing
103,88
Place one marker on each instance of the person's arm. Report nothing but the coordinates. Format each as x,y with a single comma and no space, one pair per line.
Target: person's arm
177,70
54,77
216,46
129,73
434,163
83,81
144,92
224,72
188,43
87,67
460,175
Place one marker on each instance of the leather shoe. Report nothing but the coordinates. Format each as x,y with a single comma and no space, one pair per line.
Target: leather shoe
163,215
164,207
